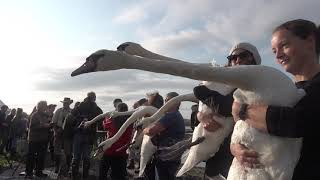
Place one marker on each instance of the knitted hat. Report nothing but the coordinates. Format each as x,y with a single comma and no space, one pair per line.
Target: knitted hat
249,47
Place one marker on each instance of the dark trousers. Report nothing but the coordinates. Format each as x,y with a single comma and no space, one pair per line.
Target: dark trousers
221,161
81,150
3,138
117,164
35,157
166,169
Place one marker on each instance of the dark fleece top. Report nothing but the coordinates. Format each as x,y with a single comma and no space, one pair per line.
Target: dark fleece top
301,121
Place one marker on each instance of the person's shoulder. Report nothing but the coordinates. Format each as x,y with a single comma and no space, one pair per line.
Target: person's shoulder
58,110
316,80
35,115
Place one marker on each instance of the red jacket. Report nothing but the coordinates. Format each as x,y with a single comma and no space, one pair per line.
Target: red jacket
112,126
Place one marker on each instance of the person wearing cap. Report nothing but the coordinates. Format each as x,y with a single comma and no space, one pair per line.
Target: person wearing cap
169,130
58,121
242,53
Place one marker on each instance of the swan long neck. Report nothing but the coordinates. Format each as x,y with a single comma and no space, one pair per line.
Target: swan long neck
230,76
137,114
99,117
148,54
117,113
160,113
113,113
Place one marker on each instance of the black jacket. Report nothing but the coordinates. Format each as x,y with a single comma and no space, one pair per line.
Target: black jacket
86,111
301,121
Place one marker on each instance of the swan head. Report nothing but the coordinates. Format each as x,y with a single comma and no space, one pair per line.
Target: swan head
102,147
101,60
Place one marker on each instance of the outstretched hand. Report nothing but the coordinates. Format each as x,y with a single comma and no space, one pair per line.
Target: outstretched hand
208,121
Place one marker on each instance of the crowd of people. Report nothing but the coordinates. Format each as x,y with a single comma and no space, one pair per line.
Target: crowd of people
62,133
296,45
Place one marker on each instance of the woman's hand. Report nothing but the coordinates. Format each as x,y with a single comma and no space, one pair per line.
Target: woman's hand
255,115
208,121
246,157
235,110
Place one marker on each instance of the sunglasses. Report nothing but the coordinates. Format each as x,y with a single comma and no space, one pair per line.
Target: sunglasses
242,55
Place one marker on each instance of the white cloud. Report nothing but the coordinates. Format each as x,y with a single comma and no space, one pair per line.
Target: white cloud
130,15
194,30
218,25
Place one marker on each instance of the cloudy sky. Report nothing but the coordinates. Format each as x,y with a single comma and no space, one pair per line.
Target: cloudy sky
42,42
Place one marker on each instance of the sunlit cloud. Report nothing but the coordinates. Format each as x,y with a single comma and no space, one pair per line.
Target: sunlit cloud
39,53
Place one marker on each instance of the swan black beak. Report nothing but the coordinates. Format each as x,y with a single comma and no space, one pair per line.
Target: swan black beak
98,152
89,66
82,70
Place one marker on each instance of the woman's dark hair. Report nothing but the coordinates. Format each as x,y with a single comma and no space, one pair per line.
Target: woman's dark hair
122,107
303,29
120,120
158,101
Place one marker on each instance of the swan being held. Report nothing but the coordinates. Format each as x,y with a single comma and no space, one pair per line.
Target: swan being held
142,111
212,140
256,85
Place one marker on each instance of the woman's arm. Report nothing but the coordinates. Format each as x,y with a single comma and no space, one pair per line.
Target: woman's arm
292,122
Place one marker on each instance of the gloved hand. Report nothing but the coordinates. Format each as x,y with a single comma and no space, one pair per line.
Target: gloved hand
214,99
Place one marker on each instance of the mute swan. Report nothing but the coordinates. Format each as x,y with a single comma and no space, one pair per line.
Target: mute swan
142,111
147,148
256,85
107,114
212,140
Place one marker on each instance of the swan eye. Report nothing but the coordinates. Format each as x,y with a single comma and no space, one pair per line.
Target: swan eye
122,47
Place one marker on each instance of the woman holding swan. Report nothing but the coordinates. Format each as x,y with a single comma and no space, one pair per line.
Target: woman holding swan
296,46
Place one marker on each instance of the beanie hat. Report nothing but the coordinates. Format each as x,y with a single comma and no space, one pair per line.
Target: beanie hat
249,47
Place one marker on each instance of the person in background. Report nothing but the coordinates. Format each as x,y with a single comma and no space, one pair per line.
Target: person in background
116,102
8,121
37,140
116,157
50,112
155,99
193,117
240,54
76,104
134,152
169,130
84,138
296,46
17,130
58,121
3,128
